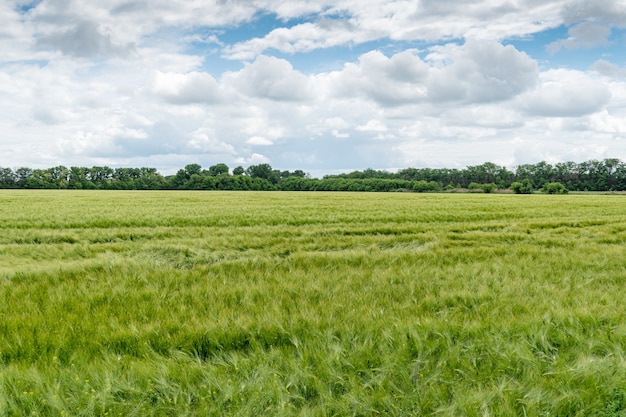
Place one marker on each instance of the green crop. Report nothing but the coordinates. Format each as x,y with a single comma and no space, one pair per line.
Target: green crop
226,303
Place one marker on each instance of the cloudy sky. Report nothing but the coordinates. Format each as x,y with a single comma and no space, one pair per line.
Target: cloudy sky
325,86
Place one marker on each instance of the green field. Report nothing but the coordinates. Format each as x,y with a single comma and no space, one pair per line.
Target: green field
317,304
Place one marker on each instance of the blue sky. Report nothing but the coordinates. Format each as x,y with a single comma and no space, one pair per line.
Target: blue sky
327,86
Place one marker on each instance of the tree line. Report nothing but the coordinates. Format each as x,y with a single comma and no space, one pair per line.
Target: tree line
593,175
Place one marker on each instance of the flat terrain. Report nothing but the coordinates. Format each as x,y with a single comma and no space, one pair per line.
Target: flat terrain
243,303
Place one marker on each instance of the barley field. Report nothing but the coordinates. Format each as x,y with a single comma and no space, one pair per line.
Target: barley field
311,304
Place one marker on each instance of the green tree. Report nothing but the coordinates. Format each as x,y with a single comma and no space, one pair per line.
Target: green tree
7,178
21,176
191,169
101,177
566,173
78,178
522,187
149,179
182,179
422,186
194,182
474,186
487,173
218,169
59,175
239,170
554,188
488,188
612,168
39,178
263,171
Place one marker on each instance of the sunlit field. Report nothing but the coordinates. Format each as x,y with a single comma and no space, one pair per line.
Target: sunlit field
317,304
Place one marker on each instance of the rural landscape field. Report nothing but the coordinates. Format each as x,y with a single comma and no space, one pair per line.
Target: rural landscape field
174,303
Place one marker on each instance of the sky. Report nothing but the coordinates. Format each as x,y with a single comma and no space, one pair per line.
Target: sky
325,86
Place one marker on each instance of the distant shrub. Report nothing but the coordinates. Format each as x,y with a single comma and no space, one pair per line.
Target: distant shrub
522,187
488,188
475,187
554,188
485,188
424,186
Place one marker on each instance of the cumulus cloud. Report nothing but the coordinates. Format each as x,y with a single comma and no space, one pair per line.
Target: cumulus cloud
271,78
47,115
259,141
16,35
354,22
372,125
591,23
480,71
254,159
85,40
339,135
395,80
566,94
204,142
609,69
607,11
89,144
303,37
193,87
326,22
143,82
134,19
583,35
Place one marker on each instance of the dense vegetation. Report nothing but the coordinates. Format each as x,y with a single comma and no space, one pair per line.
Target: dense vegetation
605,175
194,303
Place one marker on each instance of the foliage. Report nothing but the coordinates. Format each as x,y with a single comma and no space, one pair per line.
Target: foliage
485,188
217,170
606,175
474,186
263,171
554,188
423,186
488,188
523,187
192,303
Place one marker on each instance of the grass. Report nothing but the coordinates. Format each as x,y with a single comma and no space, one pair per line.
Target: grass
226,303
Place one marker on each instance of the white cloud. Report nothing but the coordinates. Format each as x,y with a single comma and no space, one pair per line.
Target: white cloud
203,141
131,20
479,71
608,11
372,126
605,122
583,35
336,122
88,143
396,80
85,40
259,141
254,159
145,83
339,135
304,37
362,21
271,78
609,69
193,87
566,94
